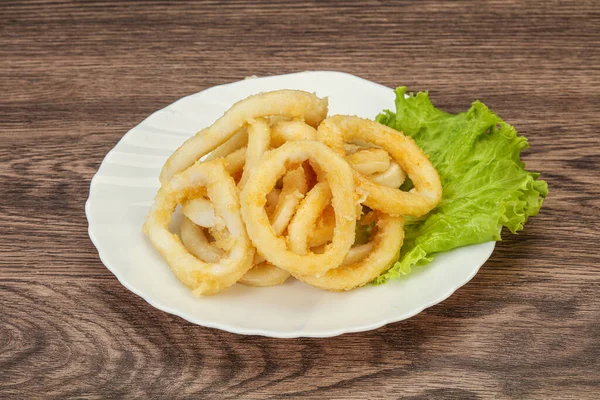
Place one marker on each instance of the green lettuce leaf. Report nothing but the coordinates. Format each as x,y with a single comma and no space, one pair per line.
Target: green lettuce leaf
485,184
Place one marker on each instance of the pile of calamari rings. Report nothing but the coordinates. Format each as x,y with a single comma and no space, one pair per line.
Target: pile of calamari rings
275,188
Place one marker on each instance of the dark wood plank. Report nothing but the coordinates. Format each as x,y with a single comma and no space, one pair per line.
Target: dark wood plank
74,76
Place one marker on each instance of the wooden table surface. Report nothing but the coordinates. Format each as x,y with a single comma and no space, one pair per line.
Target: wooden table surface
74,77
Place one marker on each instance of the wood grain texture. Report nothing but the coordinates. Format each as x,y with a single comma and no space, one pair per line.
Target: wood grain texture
74,76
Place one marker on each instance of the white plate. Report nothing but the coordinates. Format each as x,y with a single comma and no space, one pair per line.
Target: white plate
122,192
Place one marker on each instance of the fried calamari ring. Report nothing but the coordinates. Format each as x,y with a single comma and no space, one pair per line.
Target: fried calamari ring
281,132
200,211
203,278
234,162
259,138
393,177
289,103
272,200
222,239
264,275
261,274
201,214
292,192
195,241
294,188
357,145
369,161
303,223
289,131
385,249
273,165
236,142
427,192
323,230
358,253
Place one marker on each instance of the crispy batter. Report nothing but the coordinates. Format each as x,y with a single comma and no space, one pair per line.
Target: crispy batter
200,276
262,181
427,192
289,103
303,182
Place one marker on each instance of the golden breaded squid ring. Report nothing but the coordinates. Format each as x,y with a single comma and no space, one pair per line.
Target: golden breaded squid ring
201,214
273,165
369,161
427,192
285,130
264,274
203,278
393,177
194,239
289,131
280,132
234,162
289,103
323,230
358,253
222,239
197,244
236,142
385,250
259,139
304,221
357,145
272,201
200,211
293,190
